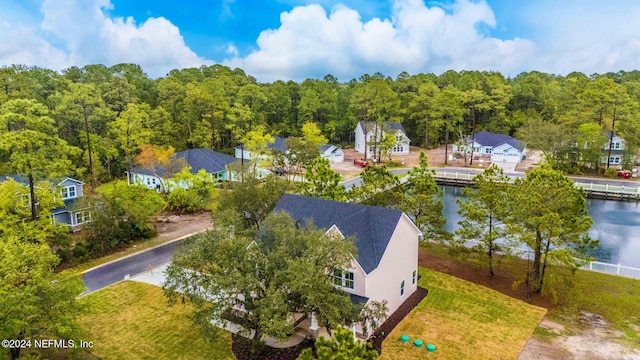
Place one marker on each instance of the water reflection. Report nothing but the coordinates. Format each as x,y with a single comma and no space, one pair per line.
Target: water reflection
615,223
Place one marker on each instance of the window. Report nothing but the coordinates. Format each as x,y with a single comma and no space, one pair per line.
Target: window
68,192
487,151
616,145
83,217
402,288
413,279
345,279
615,160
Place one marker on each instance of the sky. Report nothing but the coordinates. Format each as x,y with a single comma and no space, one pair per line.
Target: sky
299,39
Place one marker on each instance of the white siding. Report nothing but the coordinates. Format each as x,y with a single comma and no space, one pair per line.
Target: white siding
398,263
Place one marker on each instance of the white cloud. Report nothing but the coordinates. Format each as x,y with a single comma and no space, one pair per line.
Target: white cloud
78,32
416,38
586,35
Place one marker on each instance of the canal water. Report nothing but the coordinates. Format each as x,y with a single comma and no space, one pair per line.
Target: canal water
615,223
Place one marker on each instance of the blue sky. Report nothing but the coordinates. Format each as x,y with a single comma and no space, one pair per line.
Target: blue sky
296,39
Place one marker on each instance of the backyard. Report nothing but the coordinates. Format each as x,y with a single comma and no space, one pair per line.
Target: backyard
464,321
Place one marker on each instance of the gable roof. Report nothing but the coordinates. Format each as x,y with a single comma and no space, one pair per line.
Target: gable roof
371,226
388,125
198,159
329,149
277,144
486,138
25,181
608,132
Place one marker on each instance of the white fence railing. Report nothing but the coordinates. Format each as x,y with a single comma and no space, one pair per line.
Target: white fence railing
613,269
597,266
613,189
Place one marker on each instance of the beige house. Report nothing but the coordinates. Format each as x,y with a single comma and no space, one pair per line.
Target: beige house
386,265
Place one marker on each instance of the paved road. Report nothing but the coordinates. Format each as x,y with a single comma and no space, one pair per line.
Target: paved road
117,270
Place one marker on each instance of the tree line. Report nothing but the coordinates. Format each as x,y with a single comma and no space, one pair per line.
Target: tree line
106,113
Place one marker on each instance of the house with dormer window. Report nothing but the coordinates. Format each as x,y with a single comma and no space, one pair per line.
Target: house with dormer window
613,149
74,212
385,267
369,134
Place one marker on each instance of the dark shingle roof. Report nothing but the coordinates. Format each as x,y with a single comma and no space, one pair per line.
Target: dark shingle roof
198,159
357,299
390,125
371,226
486,138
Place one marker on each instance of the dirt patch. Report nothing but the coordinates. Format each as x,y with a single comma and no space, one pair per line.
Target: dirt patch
435,157
173,226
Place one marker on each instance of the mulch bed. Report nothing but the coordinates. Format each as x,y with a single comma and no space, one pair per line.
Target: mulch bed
241,348
395,318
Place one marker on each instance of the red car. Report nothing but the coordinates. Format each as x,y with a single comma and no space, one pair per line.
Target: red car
625,174
361,163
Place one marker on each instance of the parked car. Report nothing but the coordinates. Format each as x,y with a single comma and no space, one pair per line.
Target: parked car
279,171
624,174
361,163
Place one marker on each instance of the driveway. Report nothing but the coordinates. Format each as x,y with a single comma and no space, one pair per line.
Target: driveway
505,166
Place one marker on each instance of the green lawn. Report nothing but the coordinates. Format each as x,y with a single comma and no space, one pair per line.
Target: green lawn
132,320
464,321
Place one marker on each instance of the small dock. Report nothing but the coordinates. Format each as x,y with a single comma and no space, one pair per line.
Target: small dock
592,190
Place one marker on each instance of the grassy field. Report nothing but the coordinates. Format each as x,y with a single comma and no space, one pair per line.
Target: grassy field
616,298
132,320
464,321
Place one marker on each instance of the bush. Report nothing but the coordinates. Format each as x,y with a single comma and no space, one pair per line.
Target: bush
185,201
611,173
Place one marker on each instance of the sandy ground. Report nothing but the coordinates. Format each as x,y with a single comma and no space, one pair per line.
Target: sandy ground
171,227
435,157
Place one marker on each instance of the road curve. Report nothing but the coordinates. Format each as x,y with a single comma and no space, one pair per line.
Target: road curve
117,270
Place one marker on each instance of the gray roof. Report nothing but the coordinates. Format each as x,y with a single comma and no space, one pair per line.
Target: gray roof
486,138
25,181
332,148
371,226
277,144
388,125
357,299
198,159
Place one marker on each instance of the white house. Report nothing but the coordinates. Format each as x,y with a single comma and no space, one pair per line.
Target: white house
213,162
499,147
369,134
331,152
278,144
386,265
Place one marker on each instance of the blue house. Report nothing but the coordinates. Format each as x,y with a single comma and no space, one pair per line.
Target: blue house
74,212
212,162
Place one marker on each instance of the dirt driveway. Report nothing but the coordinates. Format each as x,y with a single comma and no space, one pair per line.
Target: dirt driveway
435,157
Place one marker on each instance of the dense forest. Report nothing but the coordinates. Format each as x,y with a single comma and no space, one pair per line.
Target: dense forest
103,114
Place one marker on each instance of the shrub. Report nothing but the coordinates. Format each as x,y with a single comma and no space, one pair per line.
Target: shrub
185,201
611,173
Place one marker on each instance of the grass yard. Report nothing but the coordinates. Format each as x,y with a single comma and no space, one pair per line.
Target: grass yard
464,321
132,320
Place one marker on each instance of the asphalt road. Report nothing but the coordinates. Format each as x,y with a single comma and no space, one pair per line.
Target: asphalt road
117,270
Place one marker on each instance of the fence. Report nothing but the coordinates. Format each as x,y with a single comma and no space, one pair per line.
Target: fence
604,188
597,266
613,269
